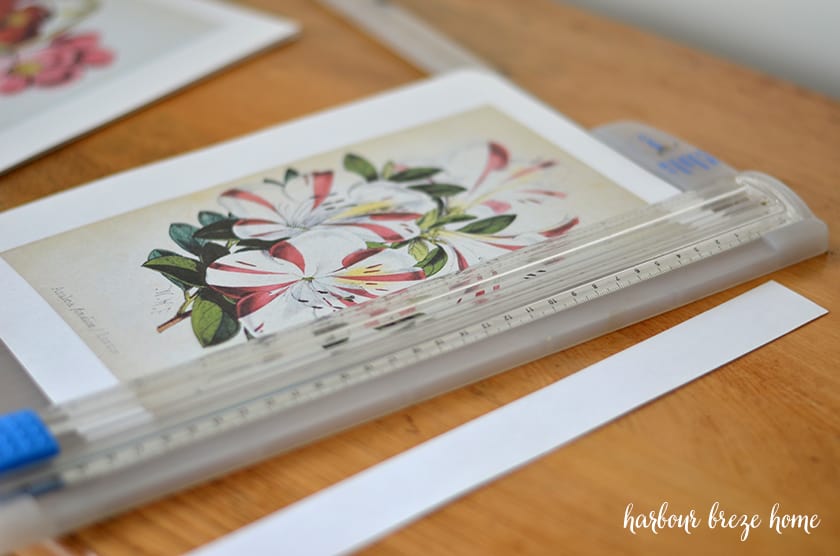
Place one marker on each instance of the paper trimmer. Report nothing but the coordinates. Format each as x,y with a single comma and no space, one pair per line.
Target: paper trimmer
183,425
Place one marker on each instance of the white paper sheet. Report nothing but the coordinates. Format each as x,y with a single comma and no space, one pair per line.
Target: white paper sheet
367,506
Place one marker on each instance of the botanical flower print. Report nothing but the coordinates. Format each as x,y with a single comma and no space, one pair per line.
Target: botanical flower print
272,210
37,48
313,274
63,61
288,251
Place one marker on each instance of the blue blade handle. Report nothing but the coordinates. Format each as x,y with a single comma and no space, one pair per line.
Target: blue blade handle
24,439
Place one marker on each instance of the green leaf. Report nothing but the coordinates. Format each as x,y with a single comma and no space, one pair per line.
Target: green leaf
489,225
433,262
227,304
450,218
418,249
212,322
183,269
375,245
412,174
157,253
223,229
206,217
438,189
182,234
291,174
388,170
440,202
358,165
211,251
428,220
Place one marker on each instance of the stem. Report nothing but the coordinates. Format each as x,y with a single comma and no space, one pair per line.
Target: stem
187,300
173,321
182,313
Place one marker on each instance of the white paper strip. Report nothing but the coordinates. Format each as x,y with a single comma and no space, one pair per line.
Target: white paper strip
367,506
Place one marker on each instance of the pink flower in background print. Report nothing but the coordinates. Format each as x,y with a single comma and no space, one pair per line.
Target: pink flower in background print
272,210
312,274
63,61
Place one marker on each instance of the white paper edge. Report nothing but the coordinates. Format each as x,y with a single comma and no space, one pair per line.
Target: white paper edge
367,506
373,117
241,32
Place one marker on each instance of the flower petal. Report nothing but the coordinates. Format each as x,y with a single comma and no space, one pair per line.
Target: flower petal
321,185
375,231
287,251
255,301
279,312
256,202
275,210
98,57
324,250
383,198
310,198
10,84
244,273
477,167
383,272
59,75
265,230
470,249
561,229
360,255
81,41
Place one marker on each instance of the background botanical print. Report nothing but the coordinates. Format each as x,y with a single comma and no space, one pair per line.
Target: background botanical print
40,48
166,283
288,251
54,53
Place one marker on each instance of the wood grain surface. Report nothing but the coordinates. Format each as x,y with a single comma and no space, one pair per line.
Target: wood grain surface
762,430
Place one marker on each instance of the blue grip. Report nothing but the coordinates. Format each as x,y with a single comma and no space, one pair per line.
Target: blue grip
24,439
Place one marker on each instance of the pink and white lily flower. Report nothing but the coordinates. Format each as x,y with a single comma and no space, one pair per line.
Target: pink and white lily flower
272,211
308,276
498,184
523,198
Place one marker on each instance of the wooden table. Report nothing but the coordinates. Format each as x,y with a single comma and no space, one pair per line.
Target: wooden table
762,430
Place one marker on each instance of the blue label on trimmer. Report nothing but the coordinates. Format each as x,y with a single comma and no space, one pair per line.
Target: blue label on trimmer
24,439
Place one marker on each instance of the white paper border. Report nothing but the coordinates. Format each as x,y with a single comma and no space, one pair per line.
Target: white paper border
376,116
239,33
